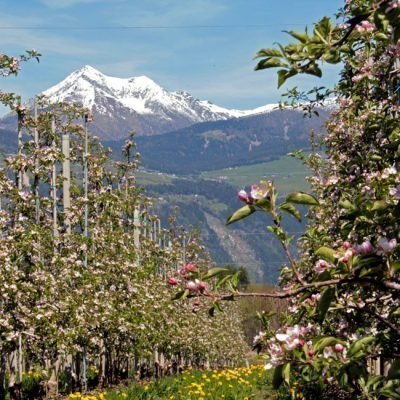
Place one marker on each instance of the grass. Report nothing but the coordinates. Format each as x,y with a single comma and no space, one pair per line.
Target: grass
287,173
225,384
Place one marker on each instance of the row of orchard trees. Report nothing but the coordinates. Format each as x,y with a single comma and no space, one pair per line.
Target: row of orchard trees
78,293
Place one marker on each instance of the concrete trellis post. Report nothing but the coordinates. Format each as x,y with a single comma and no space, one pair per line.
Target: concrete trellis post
136,225
66,170
54,183
36,174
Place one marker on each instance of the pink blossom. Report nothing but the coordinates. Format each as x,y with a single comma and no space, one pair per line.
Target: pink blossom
190,267
366,26
320,266
365,248
260,191
386,246
191,286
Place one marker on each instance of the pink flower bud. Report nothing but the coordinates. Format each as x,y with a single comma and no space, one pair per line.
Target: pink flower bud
172,281
191,286
346,245
190,267
197,303
311,353
202,286
339,347
243,196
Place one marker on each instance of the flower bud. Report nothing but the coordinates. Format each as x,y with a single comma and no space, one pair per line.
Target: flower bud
243,196
191,286
172,281
339,347
202,286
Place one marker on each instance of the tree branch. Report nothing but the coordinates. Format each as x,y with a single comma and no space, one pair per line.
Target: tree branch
284,294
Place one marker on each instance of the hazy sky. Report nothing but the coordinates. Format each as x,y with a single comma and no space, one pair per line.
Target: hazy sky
202,46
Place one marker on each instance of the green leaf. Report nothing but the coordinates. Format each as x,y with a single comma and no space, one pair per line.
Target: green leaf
222,281
313,69
286,373
302,198
277,378
268,53
358,347
346,204
325,302
240,214
271,62
302,37
326,254
394,371
265,204
282,76
395,265
320,344
181,295
235,279
379,205
291,209
213,272
391,390
367,271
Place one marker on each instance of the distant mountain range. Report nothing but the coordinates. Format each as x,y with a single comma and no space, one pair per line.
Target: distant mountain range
137,104
230,143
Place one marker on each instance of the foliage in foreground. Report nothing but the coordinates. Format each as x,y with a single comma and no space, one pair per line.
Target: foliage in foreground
345,286
342,325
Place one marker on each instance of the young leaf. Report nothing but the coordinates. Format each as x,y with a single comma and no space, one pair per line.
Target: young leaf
320,344
268,53
265,204
302,198
326,254
213,272
286,373
356,349
325,302
277,379
240,214
301,37
291,209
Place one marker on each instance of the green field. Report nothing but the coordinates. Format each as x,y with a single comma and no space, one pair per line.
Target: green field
287,173
145,178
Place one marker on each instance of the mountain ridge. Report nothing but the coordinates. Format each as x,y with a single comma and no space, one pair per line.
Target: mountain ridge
121,105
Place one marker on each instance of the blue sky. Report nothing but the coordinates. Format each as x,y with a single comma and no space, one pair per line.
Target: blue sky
202,46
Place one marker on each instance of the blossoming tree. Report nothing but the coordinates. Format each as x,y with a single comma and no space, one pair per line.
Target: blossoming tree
341,335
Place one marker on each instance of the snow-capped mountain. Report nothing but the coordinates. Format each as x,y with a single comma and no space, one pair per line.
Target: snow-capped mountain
137,104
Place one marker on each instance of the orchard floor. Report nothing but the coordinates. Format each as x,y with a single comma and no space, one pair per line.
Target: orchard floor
228,384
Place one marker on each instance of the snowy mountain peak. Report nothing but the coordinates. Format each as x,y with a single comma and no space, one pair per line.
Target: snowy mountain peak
139,101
